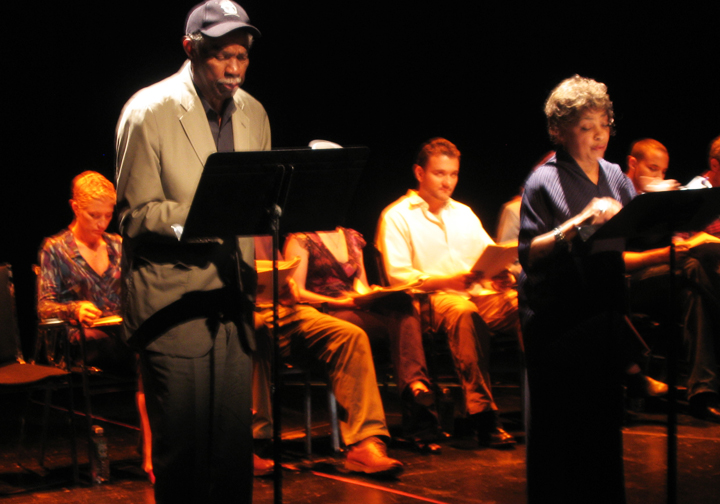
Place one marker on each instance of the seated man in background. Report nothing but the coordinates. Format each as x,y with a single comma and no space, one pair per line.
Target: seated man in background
508,227
713,177
79,281
648,265
306,335
425,235
647,165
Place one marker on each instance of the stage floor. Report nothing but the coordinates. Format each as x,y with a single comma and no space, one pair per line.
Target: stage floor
462,473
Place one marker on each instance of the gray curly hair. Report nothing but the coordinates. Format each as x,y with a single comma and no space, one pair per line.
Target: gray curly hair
570,99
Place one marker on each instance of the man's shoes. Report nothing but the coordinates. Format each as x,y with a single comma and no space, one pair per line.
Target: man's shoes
705,406
421,394
655,388
497,438
262,467
640,385
370,457
490,431
420,423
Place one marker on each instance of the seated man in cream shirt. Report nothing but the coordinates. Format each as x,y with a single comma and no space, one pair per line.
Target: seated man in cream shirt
426,235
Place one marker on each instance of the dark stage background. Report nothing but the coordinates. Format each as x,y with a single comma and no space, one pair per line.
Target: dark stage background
387,75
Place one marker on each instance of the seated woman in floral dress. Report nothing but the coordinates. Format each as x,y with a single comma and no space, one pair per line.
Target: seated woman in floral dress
331,272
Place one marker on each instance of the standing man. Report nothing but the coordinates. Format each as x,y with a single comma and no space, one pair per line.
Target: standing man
185,308
426,235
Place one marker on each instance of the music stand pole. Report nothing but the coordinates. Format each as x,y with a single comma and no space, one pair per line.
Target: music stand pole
276,363
243,193
674,347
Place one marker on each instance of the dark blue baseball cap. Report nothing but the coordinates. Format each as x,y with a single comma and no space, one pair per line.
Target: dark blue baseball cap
215,18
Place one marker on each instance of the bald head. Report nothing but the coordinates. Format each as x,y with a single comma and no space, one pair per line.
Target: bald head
648,161
642,148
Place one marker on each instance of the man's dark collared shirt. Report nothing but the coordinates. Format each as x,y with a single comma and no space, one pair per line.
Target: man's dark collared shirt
222,131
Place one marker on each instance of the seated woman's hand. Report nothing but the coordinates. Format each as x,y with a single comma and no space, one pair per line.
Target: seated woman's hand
289,294
87,313
347,303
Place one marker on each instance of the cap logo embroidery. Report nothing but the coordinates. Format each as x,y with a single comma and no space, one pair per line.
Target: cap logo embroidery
228,8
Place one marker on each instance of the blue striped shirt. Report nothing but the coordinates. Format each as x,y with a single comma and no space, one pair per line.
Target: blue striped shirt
554,193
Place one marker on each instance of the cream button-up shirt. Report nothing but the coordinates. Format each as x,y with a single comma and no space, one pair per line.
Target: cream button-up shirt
417,244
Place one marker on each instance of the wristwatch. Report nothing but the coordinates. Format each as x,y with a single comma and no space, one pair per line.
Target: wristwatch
559,235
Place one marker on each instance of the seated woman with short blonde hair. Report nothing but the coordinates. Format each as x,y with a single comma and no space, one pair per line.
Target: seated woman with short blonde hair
79,281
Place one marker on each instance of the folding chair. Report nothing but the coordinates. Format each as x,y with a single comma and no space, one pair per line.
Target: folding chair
17,375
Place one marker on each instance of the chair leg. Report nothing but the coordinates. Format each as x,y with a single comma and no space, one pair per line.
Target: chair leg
23,416
46,419
73,438
332,410
86,393
525,397
308,416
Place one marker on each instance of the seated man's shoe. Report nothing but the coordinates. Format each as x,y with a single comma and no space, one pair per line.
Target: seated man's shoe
656,388
370,457
421,394
490,431
497,438
420,423
705,406
262,467
640,385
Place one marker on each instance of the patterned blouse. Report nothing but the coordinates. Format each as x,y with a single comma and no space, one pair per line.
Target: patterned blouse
325,275
65,278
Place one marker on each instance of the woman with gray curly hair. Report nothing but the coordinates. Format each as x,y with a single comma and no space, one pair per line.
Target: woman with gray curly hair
570,305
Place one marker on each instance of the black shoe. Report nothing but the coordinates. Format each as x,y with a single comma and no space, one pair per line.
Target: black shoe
705,406
490,431
497,438
423,397
419,422
640,385
262,467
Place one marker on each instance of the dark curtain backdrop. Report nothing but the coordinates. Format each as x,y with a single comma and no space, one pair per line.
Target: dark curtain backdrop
387,75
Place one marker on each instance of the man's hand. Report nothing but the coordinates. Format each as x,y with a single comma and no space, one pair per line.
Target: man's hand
503,281
654,184
697,239
87,313
463,281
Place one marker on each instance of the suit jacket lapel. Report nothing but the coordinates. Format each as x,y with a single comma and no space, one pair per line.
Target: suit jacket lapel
241,125
193,119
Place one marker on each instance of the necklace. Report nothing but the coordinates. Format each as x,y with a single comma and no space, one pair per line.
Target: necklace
335,243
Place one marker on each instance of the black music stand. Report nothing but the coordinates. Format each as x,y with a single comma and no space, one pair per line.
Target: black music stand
660,215
264,192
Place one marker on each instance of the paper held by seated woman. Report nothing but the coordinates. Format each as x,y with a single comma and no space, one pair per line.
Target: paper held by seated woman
110,320
264,270
363,294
